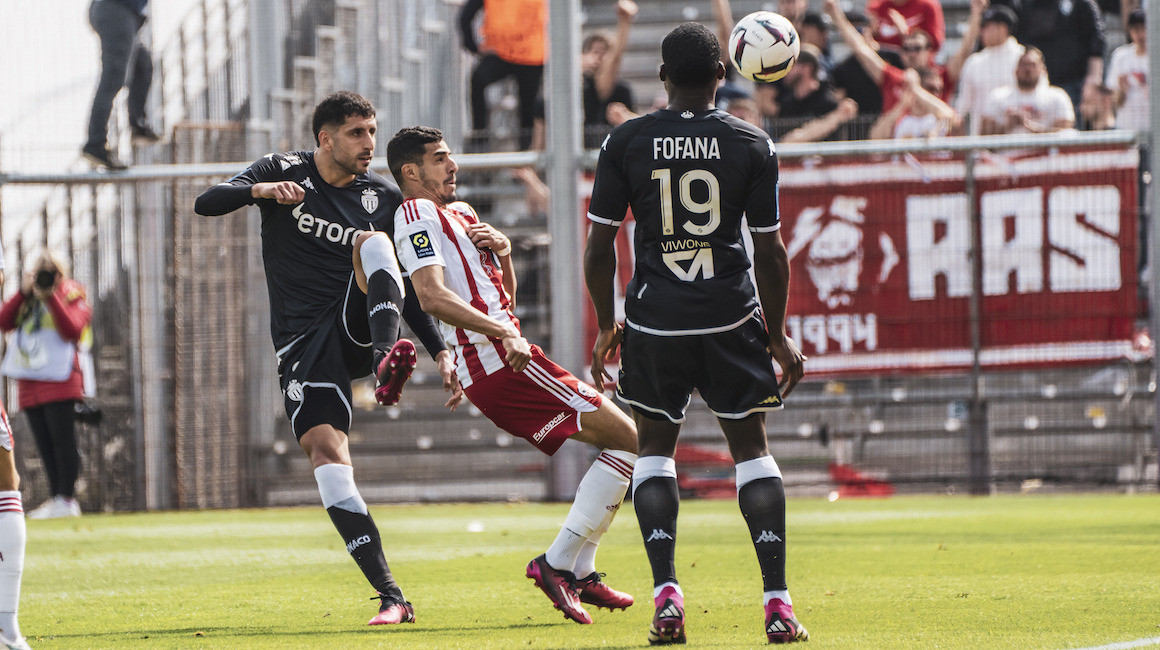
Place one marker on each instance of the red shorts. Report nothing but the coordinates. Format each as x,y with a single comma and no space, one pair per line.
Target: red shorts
542,404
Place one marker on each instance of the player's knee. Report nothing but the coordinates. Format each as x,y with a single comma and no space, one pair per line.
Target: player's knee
616,430
324,444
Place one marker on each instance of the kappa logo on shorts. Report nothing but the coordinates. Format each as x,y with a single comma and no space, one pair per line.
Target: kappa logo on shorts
294,390
421,241
772,400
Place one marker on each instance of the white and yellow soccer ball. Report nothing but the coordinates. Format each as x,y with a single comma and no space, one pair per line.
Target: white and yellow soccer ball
764,46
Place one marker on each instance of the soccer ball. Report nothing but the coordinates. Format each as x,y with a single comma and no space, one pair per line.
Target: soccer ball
763,46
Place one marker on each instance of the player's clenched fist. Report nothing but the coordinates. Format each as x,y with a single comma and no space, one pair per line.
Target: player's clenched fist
284,192
484,235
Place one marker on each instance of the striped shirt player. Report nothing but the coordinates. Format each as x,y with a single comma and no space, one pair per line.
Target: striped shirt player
429,235
462,272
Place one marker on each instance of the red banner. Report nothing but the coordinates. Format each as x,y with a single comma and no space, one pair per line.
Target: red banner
882,266
882,270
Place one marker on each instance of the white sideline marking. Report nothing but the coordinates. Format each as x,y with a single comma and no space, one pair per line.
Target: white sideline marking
1125,645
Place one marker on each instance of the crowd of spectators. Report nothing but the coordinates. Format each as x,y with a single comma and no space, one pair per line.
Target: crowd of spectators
885,71
1020,66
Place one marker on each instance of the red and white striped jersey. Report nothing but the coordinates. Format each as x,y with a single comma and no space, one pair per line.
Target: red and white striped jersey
427,235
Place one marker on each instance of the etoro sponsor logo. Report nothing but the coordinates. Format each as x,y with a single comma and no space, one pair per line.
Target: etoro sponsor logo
552,424
322,229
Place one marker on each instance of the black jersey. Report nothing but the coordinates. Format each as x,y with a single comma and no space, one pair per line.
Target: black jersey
689,177
307,248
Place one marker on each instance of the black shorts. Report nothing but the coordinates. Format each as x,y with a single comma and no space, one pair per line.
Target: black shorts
316,369
732,370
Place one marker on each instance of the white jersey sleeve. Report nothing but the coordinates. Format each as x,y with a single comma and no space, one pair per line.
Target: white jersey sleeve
418,235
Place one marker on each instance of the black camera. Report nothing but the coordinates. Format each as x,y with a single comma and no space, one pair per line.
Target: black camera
45,279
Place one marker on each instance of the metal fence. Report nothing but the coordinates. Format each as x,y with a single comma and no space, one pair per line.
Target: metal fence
186,375
203,424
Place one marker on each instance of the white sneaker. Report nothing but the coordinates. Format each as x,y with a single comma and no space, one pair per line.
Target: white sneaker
69,507
46,510
57,507
18,644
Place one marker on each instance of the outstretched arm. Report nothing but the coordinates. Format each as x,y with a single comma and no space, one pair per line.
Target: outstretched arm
245,189
967,45
724,17
609,71
442,303
866,56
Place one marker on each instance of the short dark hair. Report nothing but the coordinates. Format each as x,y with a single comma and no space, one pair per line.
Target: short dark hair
408,146
691,55
1002,15
337,107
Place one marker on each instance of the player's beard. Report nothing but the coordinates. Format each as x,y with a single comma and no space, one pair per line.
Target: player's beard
436,187
350,164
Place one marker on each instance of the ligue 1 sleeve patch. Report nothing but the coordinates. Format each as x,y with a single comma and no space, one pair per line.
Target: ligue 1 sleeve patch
421,242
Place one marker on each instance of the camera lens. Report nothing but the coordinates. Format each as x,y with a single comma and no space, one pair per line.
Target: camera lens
45,279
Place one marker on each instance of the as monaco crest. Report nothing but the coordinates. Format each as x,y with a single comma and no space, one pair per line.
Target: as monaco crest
370,201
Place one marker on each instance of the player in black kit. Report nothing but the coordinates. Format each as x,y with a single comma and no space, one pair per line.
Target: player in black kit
327,226
692,316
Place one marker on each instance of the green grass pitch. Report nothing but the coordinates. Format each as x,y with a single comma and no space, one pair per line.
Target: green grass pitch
1048,572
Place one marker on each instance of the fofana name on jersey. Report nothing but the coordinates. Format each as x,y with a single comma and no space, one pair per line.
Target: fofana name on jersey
685,148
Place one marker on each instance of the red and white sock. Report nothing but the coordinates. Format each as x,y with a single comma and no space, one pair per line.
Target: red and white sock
12,539
597,501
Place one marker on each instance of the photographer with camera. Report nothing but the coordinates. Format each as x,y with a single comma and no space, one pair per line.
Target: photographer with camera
49,319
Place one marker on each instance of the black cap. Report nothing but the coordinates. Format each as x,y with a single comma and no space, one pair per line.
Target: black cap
816,19
1001,14
1136,17
857,18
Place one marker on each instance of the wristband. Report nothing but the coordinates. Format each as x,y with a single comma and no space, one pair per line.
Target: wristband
507,250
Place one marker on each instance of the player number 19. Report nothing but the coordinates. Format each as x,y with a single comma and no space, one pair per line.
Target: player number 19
711,206
699,260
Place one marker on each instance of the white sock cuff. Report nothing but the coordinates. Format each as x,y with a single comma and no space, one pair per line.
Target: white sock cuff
676,587
783,596
755,468
337,488
618,462
652,466
10,501
378,253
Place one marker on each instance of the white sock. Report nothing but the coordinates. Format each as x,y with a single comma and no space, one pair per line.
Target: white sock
623,461
378,253
336,485
12,539
756,468
597,500
657,590
652,466
783,596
